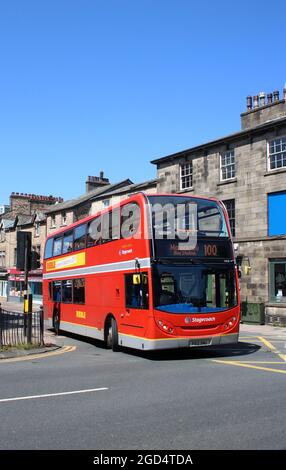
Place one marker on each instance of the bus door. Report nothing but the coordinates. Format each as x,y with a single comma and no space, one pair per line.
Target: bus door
136,300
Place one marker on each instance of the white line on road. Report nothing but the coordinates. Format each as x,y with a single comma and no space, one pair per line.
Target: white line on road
74,392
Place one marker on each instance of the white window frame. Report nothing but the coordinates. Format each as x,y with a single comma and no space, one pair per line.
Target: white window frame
188,174
64,218
283,167
232,164
53,221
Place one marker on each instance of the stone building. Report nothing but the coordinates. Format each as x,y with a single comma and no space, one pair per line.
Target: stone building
26,213
247,171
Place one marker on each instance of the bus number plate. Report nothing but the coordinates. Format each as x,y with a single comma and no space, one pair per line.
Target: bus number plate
200,342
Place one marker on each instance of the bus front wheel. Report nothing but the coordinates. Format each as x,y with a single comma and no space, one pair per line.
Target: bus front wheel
112,335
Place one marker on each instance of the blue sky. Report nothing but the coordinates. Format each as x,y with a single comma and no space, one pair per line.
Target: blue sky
93,85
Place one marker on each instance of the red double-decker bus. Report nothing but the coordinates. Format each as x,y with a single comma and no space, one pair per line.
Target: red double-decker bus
125,277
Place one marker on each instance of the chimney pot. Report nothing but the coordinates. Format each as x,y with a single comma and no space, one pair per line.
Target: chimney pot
284,92
276,95
101,175
249,102
262,98
269,98
256,101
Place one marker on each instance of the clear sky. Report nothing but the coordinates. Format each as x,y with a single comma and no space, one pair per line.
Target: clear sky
91,85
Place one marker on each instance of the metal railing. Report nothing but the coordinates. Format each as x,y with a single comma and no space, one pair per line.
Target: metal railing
17,328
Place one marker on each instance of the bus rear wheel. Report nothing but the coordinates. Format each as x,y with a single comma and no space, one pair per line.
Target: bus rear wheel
112,335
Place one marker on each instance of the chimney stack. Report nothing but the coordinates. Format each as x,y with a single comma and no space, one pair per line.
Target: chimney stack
95,182
259,110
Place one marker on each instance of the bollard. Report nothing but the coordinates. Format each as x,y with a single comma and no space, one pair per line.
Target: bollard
41,325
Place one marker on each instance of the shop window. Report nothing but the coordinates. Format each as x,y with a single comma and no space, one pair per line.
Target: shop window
277,277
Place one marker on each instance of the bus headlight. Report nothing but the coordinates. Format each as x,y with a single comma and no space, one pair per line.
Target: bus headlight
165,326
230,323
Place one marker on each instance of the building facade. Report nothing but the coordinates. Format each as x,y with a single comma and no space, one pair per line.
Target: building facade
26,213
247,171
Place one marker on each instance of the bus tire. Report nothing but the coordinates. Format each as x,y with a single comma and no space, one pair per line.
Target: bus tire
112,335
56,321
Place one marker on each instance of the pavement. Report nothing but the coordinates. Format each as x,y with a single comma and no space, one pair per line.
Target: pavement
50,339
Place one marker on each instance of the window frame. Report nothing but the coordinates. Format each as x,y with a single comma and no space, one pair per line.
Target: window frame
187,175
232,220
271,283
226,166
283,167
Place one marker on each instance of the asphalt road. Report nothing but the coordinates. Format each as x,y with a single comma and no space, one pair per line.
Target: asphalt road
223,398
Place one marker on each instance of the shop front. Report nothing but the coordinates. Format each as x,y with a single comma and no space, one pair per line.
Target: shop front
16,285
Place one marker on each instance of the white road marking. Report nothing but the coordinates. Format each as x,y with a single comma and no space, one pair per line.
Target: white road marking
46,395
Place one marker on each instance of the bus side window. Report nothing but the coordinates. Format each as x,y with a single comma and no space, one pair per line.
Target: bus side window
68,242
79,291
49,248
67,291
136,290
94,236
130,219
57,291
79,237
58,246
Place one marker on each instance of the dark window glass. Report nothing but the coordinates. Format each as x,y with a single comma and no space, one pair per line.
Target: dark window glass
68,242
79,237
67,291
58,246
49,248
136,290
130,219
57,291
230,207
79,291
277,285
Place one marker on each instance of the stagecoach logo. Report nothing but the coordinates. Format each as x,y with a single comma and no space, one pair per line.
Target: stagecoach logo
199,320
125,252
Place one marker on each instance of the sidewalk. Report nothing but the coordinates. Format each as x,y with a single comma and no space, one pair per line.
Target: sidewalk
17,306
263,330
50,339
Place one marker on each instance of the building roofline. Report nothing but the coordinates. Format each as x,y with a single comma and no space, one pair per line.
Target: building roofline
220,140
86,197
